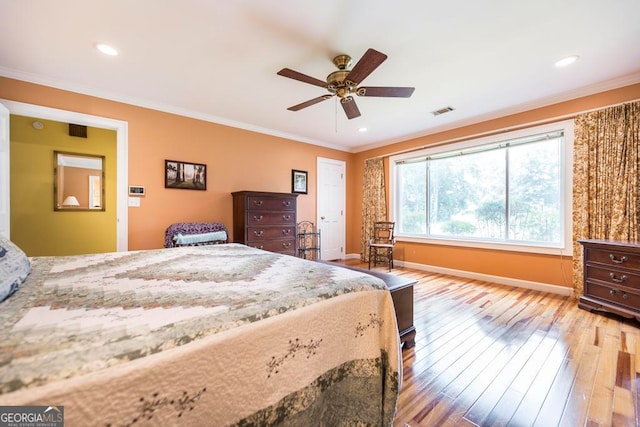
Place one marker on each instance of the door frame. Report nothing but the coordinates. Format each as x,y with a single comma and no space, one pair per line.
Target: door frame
122,153
343,202
5,196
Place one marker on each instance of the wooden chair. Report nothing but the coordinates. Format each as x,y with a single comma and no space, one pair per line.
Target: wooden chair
382,243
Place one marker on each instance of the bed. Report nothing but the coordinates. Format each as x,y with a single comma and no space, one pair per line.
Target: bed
200,335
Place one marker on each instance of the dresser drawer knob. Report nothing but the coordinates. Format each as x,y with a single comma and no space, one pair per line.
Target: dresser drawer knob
616,278
617,260
258,217
286,231
286,203
258,202
258,233
286,245
286,217
614,291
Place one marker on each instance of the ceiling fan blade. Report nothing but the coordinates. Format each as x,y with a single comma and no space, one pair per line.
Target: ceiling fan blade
309,103
392,92
350,108
365,66
286,72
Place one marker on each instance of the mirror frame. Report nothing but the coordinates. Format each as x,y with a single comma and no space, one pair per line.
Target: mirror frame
56,177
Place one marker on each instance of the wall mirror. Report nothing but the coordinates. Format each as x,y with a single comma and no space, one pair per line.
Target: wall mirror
78,182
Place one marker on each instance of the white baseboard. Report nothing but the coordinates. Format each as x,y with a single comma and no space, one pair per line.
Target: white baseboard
526,284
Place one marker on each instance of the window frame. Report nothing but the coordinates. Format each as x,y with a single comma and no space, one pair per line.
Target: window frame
566,246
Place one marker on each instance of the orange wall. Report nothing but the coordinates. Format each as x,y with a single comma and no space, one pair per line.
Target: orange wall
236,159
242,160
76,182
523,266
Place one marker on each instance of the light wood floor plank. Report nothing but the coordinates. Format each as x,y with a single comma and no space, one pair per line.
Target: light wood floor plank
556,399
600,409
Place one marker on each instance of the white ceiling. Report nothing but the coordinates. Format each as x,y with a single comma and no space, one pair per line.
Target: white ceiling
217,59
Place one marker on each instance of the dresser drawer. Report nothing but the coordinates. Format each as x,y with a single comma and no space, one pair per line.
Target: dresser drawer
271,203
268,233
613,277
283,246
612,294
613,257
257,218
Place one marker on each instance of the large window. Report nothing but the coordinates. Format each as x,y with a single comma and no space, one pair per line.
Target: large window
510,190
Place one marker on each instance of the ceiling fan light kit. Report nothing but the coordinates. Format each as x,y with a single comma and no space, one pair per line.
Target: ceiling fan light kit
343,83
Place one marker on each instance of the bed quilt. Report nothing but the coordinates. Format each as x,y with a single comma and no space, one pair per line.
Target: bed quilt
210,335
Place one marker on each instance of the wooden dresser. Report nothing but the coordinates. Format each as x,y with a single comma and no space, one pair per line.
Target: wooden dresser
611,277
265,220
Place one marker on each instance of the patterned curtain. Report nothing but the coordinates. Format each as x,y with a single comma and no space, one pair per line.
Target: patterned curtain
374,202
605,179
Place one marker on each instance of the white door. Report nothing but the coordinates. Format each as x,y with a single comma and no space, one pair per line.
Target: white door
331,207
4,171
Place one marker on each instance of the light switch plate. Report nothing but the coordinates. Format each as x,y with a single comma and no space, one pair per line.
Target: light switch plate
134,202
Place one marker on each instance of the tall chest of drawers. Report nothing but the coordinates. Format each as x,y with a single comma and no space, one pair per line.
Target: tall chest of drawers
265,220
611,277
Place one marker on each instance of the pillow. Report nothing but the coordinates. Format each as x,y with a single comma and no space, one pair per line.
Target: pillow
14,268
194,239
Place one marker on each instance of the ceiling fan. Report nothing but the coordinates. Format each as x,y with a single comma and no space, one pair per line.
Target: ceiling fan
344,82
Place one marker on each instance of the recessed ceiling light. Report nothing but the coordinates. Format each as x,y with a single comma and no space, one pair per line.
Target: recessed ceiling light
567,61
362,129
106,49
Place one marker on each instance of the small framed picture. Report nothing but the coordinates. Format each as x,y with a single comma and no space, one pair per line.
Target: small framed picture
298,181
189,176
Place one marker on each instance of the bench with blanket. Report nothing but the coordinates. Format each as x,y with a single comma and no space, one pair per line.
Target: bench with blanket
195,234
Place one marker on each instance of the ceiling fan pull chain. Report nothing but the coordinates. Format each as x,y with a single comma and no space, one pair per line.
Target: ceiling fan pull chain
335,110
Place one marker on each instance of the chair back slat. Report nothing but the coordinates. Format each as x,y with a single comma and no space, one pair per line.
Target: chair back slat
383,232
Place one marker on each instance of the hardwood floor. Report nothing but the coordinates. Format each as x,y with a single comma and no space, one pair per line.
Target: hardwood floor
492,355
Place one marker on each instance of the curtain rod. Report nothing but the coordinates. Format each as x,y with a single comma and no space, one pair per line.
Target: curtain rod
501,130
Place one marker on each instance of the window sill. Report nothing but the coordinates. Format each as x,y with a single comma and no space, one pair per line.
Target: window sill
511,247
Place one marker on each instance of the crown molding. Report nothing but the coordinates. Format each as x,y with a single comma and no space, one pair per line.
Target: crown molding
85,90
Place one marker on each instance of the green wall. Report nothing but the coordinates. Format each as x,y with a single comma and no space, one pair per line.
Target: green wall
35,226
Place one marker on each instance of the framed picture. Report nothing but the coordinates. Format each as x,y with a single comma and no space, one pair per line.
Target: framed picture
298,181
188,176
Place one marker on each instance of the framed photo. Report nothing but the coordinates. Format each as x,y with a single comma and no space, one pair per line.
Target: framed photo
298,181
188,176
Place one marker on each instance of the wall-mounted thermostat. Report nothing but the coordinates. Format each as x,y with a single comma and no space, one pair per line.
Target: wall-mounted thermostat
136,190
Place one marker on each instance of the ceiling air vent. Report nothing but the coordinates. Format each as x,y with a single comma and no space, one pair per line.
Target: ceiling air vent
442,111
